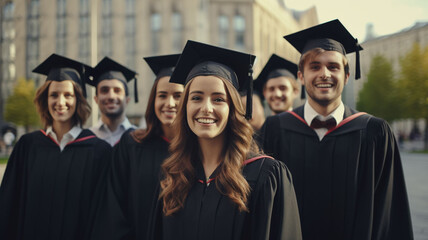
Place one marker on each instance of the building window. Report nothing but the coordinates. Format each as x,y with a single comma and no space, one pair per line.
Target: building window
156,28
239,24
177,29
8,51
130,33
61,27
106,28
223,32
84,32
32,50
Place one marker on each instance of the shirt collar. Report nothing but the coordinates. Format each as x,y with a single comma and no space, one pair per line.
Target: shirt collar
310,113
126,124
74,131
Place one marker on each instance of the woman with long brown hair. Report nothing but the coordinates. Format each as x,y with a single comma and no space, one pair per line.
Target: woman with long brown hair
50,187
216,183
137,158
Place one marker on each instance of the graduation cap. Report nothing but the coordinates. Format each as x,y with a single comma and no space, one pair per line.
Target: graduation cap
199,59
59,68
330,36
110,69
275,67
162,66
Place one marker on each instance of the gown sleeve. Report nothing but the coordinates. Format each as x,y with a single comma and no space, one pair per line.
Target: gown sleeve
154,231
11,191
275,215
391,215
111,221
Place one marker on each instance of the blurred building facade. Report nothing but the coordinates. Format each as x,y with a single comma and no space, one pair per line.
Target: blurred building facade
128,30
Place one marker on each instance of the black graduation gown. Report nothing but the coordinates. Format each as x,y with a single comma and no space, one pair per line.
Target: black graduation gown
49,194
348,186
131,186
209,215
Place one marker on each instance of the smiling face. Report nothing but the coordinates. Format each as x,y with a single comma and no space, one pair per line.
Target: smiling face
324,78
279,94
207,107
62,102
111,98
166,100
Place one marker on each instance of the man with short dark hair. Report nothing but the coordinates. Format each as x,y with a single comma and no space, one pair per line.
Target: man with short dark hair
112,96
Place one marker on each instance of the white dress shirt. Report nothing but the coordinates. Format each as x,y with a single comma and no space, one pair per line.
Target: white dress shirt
102,131
310,114
68,137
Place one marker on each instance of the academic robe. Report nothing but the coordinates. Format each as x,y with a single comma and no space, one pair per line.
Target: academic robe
49,194
131,185
349,185
207,214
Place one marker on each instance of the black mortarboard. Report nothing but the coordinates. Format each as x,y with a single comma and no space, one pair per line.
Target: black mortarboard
110,69
198,59
59,68
162,66
275,67
330,36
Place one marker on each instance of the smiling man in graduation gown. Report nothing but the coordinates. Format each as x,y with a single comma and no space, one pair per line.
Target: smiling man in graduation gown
277,82
346,166
112,96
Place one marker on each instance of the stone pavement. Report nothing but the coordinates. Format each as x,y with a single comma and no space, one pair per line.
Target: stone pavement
415,168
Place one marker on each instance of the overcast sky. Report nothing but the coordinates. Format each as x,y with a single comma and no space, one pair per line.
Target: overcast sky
387,16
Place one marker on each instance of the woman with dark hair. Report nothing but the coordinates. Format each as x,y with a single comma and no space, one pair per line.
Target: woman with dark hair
51,182
216,183
137,158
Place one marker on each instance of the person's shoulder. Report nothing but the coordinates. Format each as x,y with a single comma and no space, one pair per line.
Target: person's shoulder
129,137
87,136
266,170
264,164
377,126
271,165
34,134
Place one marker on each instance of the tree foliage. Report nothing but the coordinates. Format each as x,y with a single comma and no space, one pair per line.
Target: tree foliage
19,108
378,95
413,83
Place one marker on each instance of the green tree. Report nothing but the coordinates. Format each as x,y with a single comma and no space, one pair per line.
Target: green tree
413,85
378,95
20,109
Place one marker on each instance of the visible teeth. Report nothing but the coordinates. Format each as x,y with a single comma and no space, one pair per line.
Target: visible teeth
205,120
324,85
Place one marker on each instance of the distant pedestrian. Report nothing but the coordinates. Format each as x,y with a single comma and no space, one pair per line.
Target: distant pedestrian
8,138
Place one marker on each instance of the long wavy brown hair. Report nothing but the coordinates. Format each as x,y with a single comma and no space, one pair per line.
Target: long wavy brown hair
154,126
83,109
179,171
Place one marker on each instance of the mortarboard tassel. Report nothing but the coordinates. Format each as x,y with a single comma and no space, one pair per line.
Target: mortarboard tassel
249,108
135,90
84,80
357,60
